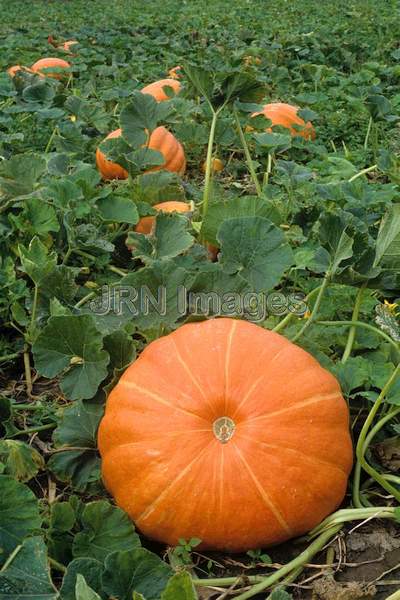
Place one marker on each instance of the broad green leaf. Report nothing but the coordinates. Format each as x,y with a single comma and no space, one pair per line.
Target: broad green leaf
19,174
106,529
254,249
139,118
335,240
135,571
180,587
27,577
118,209
19,514
78,462
90,568
154,293
201,79
36,261
275,142
247,206
41,92
388,240
83,591
121,348
170,238
37,217
73,346
21,461
59,536
158,186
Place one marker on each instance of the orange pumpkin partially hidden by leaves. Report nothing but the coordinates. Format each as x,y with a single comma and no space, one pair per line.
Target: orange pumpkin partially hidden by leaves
228,432
175,72
12,71
43,64
145,224
157,90
286,116
162,140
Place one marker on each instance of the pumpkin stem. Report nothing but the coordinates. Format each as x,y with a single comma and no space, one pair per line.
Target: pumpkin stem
223,429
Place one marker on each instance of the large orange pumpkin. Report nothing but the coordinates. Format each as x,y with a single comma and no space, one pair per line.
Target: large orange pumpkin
162,140
146,223
228,432
286,115
41,66
156,89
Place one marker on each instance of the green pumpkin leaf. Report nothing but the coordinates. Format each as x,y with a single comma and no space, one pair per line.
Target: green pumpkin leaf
19,174
180,587
118,209
83,591
106,529
21,461
135,571
19,514
121,348
72,345
247,206
36,261
78,461
27,576
140,117
255,250
90,568
170,238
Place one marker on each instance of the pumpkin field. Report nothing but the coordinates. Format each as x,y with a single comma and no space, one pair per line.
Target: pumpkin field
199,300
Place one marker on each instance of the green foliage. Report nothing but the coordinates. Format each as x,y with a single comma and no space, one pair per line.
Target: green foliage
325,211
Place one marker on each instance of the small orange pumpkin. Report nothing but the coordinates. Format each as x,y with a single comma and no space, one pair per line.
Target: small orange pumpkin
175,72
12,71
286,115
162,140
228,432
156,89
216,165
50,63
145,224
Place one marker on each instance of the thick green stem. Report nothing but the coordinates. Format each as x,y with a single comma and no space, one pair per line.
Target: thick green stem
247,154
363,172
294,564
85,299
56,565
362,445
207,180
290,316
353,329
282,584
7,357
51,138
368,133
33,430
357,470
315,308
28,375
269,169
346,515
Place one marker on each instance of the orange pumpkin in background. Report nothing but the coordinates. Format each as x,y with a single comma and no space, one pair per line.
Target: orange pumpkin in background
12,71
65,46
286,116
175,72
43,64
162,140
228,432
145,224
156,89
